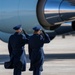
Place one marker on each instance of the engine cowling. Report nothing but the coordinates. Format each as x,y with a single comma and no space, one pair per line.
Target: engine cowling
52,13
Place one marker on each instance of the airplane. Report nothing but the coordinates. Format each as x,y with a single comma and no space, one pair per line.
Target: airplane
53,16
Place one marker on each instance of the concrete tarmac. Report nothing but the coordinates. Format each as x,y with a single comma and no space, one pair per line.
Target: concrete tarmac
59,57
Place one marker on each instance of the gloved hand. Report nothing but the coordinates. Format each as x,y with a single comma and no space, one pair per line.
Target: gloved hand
27,36
43,31
44,34
24,31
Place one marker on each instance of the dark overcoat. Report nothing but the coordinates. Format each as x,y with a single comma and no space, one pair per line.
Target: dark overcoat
16,50
36,53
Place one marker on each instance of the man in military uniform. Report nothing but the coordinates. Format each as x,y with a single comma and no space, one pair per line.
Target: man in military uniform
36,53
16,50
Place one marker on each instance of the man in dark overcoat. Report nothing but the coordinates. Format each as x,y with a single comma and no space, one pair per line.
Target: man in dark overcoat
16,50
36,53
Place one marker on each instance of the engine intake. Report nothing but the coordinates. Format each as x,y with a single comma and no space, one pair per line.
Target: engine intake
52,13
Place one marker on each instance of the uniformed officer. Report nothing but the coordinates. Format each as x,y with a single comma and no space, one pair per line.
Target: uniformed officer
36,53
16,50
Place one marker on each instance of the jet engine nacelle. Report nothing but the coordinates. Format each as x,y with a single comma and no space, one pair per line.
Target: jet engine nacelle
52,13
29,13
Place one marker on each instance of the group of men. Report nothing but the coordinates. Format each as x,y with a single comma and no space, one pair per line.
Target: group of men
35,43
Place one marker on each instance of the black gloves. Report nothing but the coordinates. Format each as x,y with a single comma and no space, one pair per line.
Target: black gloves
24,31
43,31
27,36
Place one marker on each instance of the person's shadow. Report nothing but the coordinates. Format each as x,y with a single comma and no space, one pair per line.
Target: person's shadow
48,57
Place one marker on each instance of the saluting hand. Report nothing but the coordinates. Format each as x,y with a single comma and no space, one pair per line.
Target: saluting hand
43,31
24,31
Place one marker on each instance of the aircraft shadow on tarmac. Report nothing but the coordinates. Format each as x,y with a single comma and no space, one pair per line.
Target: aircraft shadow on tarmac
48,57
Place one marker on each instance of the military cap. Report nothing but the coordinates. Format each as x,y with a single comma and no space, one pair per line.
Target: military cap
36,28
17,27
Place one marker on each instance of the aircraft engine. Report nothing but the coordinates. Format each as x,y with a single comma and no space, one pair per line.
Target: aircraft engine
52,13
